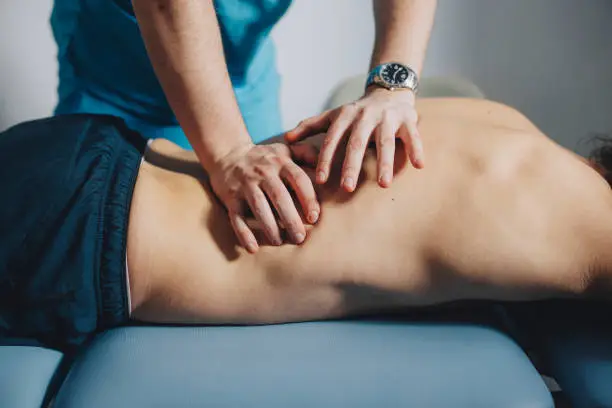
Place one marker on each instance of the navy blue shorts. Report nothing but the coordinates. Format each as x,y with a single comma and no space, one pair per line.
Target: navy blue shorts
66,185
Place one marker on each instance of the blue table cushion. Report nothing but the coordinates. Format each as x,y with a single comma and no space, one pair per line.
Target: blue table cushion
323,364
25,374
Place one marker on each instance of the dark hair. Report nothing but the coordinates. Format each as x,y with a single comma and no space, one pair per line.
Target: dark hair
601,156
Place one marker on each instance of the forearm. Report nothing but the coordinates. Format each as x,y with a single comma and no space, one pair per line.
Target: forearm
183,41
403,28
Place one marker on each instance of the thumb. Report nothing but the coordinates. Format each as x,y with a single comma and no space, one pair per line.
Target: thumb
309,127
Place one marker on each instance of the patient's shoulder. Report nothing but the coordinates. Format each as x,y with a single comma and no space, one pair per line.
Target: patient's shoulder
481,111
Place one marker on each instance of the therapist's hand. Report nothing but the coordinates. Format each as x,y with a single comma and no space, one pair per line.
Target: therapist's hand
381,115
255,177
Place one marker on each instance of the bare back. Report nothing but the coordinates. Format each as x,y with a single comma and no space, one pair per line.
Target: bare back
499,211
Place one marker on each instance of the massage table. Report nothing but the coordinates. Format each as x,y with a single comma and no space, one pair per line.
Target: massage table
463,356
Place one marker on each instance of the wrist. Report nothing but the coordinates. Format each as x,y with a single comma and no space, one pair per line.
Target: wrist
221,156
406,94
393,76
213,151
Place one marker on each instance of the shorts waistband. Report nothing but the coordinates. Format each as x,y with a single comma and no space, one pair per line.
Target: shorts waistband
114,305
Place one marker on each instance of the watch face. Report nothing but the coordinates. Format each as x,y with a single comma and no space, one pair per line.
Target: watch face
394,74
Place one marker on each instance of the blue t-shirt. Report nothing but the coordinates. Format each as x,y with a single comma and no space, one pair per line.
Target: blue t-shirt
104,67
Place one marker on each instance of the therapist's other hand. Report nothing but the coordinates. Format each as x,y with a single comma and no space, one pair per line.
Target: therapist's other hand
381,115
256,177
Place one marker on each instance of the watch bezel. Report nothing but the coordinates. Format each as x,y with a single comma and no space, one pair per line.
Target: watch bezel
394,84
411,82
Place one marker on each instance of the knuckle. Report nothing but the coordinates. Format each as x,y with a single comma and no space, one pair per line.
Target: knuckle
281,153
271,158
295,174
385,167
324,163
234,202
350,169
271,230
276,194
390,116
233,206
364,113
356,143
242,230
302,179
276,148
233,191
414,136
285,162
254,196
347,109
372,114
327,140
259,210
239,173
261,170
386,141
369,111
306,189
267,151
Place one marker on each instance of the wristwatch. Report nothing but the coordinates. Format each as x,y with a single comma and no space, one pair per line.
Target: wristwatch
392,76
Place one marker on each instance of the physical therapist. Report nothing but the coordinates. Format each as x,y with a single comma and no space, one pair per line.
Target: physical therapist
202,73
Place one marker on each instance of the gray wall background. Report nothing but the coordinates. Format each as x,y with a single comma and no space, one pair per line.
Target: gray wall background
552,59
